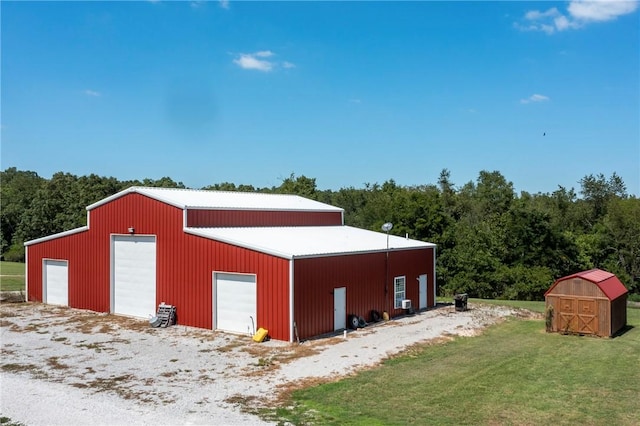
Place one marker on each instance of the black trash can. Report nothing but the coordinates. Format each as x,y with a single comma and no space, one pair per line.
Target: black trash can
460,301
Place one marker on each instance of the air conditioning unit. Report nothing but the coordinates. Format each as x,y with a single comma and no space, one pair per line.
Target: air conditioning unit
406,304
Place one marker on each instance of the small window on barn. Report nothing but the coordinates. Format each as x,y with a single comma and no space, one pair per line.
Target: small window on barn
399,287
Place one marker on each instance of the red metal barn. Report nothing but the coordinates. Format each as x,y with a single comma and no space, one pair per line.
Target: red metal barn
589,302
230,261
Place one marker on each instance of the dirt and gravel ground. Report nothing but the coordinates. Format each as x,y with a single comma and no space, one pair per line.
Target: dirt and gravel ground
62,366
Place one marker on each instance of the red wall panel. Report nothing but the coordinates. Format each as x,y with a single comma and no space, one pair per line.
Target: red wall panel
364,277
85,291
234,218
185,264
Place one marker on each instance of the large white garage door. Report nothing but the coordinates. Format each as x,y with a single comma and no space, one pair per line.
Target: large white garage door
56,282
134,275
234,301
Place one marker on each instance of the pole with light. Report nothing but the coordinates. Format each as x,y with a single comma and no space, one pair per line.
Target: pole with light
386,227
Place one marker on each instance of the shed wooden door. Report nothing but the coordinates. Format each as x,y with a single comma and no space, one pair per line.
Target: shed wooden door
578,316
587,316
567,321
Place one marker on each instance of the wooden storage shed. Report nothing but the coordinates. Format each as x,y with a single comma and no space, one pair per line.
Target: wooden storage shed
589,302
230,261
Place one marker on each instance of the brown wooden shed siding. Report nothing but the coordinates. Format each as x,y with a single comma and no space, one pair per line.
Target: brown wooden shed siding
611,315
578,287
618,314
236,218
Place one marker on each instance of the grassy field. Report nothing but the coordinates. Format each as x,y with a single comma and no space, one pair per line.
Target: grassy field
11,276
514,373
522,304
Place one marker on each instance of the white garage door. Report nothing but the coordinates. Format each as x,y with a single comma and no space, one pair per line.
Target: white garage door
56,282
234,301
134,275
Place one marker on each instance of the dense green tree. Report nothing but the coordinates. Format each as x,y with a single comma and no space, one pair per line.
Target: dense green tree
620,240
597,191
301,185
229,186
491,242
17,189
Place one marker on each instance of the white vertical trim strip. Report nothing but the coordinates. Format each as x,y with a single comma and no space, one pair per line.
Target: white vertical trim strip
112,268
26,273
214,308
435,293
291,320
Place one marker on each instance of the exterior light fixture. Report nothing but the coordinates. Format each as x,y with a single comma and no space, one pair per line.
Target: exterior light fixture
132,230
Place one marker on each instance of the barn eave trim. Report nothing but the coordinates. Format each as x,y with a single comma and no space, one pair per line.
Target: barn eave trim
56,236
232,242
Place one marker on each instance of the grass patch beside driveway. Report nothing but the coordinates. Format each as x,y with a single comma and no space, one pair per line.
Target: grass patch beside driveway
514,373
12,276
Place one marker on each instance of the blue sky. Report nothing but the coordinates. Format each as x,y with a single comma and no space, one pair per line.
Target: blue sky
345,92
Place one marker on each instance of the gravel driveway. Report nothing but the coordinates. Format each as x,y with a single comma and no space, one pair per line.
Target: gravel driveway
62,366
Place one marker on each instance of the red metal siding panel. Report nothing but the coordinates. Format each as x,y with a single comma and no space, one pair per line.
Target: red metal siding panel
185,264
85,291
235,218
315,280
364,277
186,281
411,264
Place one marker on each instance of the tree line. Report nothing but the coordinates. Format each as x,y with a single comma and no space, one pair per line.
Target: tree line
491,242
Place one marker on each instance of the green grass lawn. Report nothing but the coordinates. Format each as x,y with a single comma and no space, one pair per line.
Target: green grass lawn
12,276
513,374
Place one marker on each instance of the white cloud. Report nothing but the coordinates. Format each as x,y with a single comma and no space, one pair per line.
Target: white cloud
534,15
579,13
601,10
264,54
260,61
250,61
534,98
224,4
91,93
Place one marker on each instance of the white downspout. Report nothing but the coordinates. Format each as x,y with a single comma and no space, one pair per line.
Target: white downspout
26,273
435,293
291,298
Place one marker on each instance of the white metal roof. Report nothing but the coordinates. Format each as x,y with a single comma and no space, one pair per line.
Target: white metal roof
202,199
308,241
